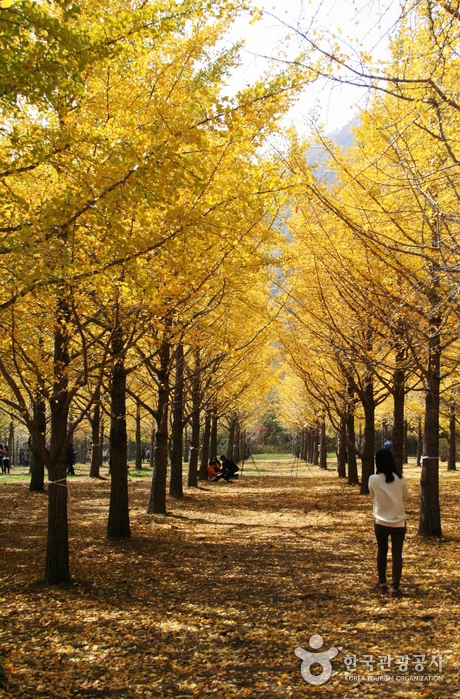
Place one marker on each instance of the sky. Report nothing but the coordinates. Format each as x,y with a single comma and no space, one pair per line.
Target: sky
358,20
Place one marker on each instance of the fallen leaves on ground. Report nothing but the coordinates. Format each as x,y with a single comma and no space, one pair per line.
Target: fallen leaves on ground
213,598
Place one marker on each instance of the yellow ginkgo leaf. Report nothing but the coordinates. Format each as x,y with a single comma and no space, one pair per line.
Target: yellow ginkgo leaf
6,3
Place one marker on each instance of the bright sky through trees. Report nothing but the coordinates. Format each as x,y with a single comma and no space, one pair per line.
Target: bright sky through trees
363,23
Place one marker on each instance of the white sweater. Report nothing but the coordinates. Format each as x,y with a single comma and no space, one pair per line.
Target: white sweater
389,499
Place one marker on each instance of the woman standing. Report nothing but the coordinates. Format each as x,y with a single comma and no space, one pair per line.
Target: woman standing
389,491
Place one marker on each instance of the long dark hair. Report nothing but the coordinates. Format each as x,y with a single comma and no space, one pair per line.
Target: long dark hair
385,463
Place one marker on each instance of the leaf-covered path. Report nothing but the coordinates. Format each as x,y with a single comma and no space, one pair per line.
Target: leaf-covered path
213,598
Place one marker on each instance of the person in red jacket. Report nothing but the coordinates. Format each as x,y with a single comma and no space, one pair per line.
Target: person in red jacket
214,469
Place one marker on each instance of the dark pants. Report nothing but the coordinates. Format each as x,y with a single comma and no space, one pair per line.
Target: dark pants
397,535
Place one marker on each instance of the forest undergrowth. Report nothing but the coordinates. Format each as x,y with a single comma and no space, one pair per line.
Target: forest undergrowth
213,598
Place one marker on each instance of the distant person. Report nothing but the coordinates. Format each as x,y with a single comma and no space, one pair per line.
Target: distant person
214,469
229,468
5,460
70,460
388,444
389,491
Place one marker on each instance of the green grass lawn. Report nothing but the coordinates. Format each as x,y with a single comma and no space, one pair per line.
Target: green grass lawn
21,474
270,457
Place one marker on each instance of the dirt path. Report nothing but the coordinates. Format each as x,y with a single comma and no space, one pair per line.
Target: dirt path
213,599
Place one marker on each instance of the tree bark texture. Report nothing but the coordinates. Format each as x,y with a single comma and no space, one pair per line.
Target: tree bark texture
96,452
398,418
37,464
231,437
138,463
367,458
118,522
430,509
175,483
323,446
57,568
342,449
451,458
157,503
419,441
192,476
203,474
213,439
351,443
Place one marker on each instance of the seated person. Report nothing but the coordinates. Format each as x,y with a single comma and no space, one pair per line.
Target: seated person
214,469
229,467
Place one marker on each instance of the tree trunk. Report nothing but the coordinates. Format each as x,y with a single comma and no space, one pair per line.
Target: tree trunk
367,458
96,453
323,446
175,484
213,441
342,449
351,440
118,522
37,464
192,476
231,437
451,459
138,462
186,444
57,569
405,442
314,447
11,450
203,475
304,444
419,441
384,432
157,503
430,510
398,418
236,442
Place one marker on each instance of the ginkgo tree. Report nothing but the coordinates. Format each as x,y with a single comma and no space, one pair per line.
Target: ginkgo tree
145,161
395,193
